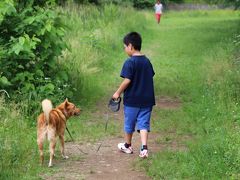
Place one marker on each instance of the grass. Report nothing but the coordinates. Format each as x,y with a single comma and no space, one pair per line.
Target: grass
96,45
17,153
194,59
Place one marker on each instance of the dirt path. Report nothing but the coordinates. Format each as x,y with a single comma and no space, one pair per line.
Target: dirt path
86,162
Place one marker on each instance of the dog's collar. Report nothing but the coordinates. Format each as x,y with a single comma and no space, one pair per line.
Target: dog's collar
62,115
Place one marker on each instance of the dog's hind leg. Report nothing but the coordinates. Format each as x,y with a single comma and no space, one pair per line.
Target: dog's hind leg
61,137
52,149
52,145
40,147
40,139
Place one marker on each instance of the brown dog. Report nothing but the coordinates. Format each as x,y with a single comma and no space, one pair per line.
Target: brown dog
52,123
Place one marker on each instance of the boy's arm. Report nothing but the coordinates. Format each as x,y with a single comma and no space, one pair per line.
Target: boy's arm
121,88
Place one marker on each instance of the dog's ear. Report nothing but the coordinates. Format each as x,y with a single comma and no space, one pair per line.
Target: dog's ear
66,102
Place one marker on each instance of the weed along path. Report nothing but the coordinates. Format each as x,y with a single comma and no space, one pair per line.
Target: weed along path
87,162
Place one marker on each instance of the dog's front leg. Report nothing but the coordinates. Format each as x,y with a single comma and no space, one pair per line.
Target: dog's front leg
61,137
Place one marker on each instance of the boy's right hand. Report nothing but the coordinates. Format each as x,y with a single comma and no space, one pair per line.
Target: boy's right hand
116,96
121,88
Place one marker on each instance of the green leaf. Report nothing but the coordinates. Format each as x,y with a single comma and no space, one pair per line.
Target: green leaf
17,48
47,89
62,75
48,27
50,87
52,63
4,82
28,87
21,40
20,66
34,38
30,20
39,73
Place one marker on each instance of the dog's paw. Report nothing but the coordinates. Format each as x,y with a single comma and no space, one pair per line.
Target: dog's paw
65,157
50,165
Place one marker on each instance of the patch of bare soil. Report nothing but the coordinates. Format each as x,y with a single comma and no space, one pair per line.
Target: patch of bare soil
165,102
87,162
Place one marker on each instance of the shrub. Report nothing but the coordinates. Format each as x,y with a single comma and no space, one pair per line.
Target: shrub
30,44
143,3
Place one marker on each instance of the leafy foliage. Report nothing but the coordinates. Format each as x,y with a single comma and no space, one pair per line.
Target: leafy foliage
143,4
235,3
31,40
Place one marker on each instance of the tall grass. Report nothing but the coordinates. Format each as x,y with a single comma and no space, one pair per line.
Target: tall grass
196,64
18,153
95,38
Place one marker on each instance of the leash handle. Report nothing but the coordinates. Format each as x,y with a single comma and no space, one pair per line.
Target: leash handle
118,100
114,104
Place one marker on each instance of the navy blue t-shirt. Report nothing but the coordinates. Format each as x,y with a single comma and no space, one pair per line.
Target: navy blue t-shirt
140,92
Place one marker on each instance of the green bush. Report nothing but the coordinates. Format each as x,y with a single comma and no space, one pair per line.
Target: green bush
31,42
143,3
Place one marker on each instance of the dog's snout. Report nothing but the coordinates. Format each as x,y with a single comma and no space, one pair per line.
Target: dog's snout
77,112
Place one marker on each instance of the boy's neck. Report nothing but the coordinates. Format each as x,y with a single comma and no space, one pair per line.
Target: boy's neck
137,53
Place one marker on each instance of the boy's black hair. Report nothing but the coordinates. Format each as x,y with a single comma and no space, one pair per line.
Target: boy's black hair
135,39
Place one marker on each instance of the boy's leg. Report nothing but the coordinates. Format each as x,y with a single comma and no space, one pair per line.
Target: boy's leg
143,125
128,138
130,116
127,146
144,136
144,148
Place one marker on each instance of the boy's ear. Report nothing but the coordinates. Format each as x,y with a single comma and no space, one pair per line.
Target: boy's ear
130,45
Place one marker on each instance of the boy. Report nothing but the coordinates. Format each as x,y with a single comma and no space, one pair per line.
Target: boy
138,99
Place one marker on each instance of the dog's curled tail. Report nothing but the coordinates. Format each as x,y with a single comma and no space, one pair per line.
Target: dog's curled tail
47,107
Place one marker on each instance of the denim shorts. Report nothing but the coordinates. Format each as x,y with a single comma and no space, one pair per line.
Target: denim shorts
136,117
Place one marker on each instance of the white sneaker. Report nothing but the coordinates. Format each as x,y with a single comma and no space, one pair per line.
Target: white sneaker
121,147
143,153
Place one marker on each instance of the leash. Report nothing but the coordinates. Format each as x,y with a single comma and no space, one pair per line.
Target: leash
105,130
63,116
73,141
114,106
106,124
69,133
